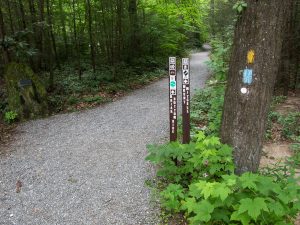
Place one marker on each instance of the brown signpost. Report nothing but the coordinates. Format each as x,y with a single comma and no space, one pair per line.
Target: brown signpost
173,99
186,100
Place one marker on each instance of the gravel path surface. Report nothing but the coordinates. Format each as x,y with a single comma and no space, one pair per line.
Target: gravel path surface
88,167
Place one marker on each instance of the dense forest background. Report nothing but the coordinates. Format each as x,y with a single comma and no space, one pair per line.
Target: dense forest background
87,52
104,41
51,32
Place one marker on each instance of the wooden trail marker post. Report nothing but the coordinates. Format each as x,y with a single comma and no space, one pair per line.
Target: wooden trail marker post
186,100
173,99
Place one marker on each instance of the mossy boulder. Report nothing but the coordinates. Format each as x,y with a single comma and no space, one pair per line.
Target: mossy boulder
27,95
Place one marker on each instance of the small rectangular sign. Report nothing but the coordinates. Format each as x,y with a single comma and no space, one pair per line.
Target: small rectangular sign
24,83
185,100
173,98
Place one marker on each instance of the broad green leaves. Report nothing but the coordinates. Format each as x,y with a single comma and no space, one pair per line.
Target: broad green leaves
203,186
203,212
253,207
249,180
206,159
240,199
240,6
214,190
171,197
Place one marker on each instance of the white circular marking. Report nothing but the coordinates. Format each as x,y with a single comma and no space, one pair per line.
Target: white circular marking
244,90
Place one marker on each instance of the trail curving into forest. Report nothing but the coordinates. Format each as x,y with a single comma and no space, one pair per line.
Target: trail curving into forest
88,167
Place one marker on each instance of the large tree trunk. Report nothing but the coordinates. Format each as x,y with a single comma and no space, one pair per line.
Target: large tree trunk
259,28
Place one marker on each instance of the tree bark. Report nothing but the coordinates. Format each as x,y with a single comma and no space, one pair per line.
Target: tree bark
77,46
285,70
22,12
35,36
50,47
92,44
212,17
63,27
12,30
40,32
6,56
259,28
53,40
119,31
134,28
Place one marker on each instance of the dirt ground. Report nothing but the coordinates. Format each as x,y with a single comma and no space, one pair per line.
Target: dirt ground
278,150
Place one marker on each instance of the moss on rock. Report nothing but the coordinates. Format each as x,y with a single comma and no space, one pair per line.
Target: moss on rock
28,100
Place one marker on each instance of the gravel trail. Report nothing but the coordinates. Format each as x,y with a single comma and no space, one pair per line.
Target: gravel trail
88,167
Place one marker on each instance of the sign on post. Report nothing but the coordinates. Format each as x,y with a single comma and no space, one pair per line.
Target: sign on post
173,98
186,100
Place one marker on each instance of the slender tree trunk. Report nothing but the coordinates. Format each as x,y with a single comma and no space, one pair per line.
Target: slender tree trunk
259,28
119,30
29,38
53,41
134,28
113,40
22,12
284,75
50,46
92,44
212,17
295,57
40,32
10,16
6,56
63,27
35,36
105,35
76,41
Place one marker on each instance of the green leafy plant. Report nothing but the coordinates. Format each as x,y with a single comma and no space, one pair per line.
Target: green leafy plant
206,109
219,58
206,159
240,6
288,126
198,181
278,100
10,116
246,199
295,159
291,125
